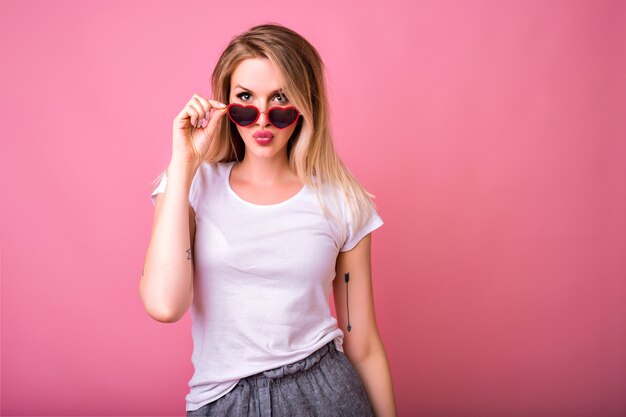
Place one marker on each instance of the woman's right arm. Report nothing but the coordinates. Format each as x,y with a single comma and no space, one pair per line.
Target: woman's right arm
166,287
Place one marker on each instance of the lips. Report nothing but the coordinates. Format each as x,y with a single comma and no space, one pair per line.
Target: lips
263,134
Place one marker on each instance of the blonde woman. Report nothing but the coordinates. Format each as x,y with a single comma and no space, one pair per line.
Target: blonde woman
256,219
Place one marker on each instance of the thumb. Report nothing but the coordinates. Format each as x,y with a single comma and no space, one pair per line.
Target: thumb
216,104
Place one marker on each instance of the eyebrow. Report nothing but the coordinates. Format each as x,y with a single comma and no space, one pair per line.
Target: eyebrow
280,90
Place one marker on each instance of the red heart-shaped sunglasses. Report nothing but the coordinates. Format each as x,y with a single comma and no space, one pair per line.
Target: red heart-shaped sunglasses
281,117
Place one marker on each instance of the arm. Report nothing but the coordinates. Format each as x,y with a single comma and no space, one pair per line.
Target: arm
362,344
166,287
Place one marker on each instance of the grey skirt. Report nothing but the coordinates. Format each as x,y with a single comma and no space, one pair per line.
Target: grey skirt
325,383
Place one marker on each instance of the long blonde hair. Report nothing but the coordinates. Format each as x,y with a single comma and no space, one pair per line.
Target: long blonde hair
310,149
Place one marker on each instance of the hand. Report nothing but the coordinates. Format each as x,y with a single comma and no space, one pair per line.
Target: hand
194,128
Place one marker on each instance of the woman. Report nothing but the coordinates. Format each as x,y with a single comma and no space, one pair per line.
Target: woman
258,221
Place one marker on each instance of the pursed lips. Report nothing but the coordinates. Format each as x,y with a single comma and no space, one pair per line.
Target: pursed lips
263,134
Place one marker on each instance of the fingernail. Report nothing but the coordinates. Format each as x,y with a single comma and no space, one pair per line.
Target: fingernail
221,104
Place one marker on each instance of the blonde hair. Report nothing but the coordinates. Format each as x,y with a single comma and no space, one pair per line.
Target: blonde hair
310,149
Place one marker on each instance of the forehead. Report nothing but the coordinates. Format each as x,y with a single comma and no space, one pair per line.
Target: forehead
258,75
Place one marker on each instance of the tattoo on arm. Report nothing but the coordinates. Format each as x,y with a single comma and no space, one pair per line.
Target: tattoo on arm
347,278
189,253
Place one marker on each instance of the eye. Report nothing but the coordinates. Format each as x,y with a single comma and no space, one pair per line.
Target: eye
239,96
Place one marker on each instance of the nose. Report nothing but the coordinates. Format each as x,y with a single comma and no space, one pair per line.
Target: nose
263,117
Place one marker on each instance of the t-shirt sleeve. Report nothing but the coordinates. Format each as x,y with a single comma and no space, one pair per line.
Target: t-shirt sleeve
161,189
355,236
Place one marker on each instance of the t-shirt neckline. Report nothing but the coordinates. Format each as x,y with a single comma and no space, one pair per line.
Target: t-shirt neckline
248,203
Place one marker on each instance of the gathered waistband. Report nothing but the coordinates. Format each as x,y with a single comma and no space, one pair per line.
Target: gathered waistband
309,385
302,364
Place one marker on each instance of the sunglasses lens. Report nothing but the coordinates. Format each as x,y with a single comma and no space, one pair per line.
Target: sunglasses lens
281,118
243,116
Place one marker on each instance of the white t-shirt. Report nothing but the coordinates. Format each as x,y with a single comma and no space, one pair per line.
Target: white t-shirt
263,278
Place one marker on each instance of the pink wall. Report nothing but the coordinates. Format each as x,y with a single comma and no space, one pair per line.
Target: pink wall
492,133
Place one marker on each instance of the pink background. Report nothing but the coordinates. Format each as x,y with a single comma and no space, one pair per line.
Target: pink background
492,133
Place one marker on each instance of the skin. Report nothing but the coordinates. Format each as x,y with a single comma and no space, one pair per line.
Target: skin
363,344
264,177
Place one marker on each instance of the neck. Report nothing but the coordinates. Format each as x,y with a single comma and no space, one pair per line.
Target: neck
265,172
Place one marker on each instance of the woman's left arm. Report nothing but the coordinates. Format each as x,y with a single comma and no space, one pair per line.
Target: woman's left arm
362,344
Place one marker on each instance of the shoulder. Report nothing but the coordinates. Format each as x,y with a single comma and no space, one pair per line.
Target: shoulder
213,171
209,176
358,213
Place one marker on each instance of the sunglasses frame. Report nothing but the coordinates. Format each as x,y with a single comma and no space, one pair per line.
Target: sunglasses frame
258,114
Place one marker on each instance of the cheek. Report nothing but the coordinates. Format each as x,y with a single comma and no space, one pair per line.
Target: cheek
292,129
285,134
242,131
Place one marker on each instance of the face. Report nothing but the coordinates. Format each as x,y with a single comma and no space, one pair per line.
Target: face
256,81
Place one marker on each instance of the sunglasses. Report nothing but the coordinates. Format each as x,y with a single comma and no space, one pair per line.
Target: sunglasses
281,117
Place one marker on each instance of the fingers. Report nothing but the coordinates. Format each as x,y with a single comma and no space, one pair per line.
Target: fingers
197,110
203,108
219,109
